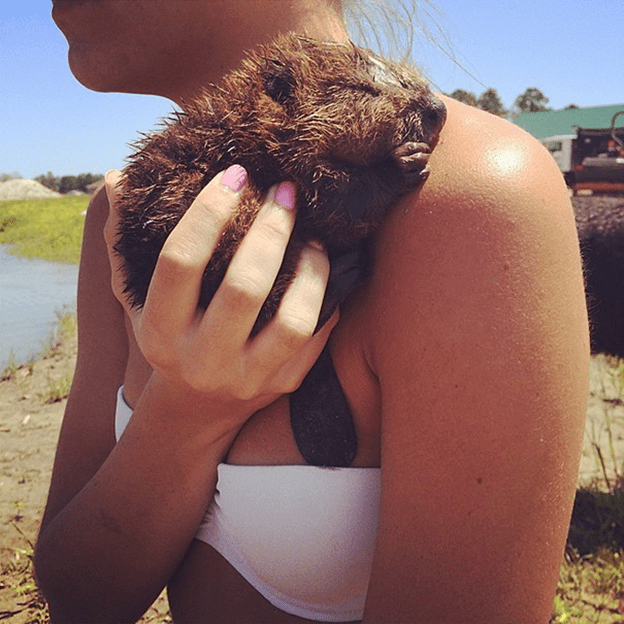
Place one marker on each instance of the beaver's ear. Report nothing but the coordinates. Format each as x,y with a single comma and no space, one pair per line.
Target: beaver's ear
279,82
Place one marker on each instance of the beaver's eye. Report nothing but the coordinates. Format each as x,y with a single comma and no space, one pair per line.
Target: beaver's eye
363,87
279,83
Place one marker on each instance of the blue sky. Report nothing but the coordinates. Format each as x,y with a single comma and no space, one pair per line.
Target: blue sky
48,122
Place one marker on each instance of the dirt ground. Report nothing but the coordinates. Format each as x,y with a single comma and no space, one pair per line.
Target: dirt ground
29,429
604,423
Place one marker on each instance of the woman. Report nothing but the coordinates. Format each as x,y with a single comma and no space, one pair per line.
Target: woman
464,361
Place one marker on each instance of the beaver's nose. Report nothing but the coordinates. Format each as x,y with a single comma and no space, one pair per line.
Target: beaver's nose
433,119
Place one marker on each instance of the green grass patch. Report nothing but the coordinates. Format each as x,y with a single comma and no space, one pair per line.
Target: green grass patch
57,390
18,575
591,577
50,229
590,589
65,328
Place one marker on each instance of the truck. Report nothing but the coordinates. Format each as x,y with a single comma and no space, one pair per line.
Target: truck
592,159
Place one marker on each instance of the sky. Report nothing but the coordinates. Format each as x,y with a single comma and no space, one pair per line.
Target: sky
50,123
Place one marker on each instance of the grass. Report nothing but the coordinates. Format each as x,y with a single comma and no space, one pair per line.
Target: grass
58,389
28,598
591,590
591,577
44,228
10,369
64,327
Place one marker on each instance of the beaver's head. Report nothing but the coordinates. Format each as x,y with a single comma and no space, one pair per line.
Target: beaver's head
331,117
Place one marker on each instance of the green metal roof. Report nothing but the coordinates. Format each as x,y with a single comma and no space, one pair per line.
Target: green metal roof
552,123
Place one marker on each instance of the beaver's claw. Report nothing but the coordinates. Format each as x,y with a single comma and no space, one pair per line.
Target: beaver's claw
412,159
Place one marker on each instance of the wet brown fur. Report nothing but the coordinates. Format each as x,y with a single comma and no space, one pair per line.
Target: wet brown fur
351,130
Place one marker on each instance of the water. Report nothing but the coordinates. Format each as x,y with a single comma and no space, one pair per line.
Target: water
31,291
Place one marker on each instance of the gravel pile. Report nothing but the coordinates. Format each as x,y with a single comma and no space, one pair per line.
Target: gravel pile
25,189
599,216
590,208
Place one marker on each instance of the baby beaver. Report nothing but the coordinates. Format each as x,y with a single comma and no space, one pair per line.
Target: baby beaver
352,130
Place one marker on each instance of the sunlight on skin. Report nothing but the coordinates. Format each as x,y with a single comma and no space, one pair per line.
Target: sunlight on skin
506,159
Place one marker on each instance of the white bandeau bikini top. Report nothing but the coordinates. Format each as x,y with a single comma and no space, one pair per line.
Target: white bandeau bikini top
302,536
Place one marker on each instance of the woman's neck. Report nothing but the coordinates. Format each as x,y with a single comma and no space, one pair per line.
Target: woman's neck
315,19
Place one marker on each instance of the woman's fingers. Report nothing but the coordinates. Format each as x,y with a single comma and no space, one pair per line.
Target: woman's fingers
253,269
279,357
292,373
211,351
297,316
171,303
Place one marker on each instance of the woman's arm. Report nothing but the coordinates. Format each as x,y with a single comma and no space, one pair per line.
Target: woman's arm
120,517
481,349
84,443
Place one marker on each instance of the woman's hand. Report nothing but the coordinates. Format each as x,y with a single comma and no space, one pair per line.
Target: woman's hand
209,353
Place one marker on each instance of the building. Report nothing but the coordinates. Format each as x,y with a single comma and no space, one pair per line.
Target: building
561,122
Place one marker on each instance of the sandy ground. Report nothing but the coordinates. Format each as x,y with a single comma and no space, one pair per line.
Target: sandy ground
604,424
29,430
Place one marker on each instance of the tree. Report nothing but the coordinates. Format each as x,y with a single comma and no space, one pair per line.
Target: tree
83,182
571,107
68,183
467,97
532,101
87,180
490,102
49,181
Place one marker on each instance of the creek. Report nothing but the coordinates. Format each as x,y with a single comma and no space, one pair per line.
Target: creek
31,292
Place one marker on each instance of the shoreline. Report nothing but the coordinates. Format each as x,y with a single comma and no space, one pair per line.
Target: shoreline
44,229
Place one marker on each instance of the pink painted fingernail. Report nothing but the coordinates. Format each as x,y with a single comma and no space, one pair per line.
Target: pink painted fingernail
234,178
285,195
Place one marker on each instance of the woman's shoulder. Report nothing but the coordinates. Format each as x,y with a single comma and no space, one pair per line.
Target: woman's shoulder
475,332
494,213
483,156
98,206
487,175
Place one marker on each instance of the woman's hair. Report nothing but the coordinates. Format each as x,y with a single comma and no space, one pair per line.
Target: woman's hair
391,27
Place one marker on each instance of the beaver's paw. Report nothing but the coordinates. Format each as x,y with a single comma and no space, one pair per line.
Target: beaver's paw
412,159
